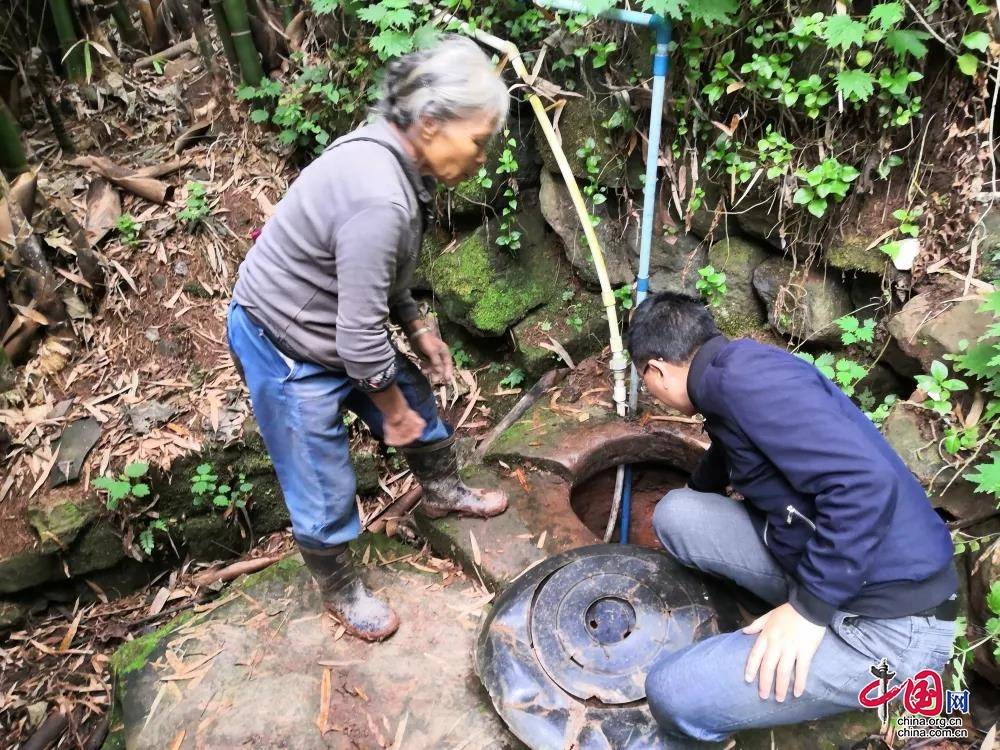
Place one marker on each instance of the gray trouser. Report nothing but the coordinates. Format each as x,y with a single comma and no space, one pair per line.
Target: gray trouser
699,691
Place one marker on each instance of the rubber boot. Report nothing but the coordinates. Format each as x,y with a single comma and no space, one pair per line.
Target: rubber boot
436,468
346,597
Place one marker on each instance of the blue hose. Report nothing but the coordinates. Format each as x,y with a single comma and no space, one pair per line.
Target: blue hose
626,505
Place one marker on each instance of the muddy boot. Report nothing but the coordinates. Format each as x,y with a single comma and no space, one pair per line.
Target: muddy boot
436,468
346,597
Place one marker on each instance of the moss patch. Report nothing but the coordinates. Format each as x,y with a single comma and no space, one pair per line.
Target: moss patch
853,254
286,569
487,290
133,656
60,523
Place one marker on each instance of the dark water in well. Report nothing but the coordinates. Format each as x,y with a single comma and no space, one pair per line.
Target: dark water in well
591,499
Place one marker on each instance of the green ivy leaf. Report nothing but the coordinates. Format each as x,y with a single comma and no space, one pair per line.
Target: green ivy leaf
391,43
977,7
259,115
136,469
886,15
140,490
856,85
843,32
977,40
968,64
817,207
987,480
666,8
710,12
325,7
993,598
907,42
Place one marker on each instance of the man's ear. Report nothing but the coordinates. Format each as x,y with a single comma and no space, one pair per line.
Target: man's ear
659,367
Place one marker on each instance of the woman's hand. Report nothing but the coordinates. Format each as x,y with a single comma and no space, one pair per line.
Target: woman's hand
430,346
402,428
401,425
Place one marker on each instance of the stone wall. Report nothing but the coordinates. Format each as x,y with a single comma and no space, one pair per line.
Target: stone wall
79,541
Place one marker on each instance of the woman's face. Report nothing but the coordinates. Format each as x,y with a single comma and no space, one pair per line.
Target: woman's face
454,150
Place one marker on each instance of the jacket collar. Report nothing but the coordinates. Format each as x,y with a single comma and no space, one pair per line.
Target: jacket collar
702,359
379,131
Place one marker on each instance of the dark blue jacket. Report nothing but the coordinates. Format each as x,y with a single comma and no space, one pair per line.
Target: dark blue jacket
830,498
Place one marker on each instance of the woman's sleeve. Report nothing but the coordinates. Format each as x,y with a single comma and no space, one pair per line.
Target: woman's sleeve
367,248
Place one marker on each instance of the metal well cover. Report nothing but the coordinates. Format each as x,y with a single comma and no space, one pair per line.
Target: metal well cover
565,651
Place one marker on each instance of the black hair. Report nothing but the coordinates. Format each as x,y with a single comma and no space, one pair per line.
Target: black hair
669,326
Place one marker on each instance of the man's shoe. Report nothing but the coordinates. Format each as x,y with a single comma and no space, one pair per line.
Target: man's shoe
346,597
436,468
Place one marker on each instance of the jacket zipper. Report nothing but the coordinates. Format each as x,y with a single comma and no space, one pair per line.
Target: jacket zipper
792,512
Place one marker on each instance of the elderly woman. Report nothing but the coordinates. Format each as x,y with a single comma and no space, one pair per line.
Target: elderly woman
307,324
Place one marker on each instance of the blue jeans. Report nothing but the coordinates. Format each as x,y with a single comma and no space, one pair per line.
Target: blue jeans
299,407
699,691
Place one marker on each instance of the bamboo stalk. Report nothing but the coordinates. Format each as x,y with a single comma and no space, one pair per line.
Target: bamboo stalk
123,20
148,17
12,158
37,69
62,18
222,26
197,18
239,24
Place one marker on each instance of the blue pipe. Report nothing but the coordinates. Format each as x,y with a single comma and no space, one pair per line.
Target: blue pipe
661,64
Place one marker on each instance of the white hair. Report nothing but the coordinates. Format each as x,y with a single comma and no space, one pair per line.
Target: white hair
451,80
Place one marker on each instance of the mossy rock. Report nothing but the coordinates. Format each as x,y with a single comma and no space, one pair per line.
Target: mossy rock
433,244
586,335
59,523
616,240
802,303
365,471
27,569
213,537
580,120
487,289
134,655
98,547
852,253
739,312
12,614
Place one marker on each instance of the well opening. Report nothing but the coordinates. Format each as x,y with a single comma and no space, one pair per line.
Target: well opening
651,480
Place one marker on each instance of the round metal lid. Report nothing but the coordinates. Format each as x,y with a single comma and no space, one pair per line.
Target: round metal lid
568,645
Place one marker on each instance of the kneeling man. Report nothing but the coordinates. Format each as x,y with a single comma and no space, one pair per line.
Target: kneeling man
834,532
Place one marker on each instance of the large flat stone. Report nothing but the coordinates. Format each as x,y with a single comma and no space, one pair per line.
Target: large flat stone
275,658
539,522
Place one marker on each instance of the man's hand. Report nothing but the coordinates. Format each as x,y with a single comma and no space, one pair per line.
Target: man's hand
402,428
430,346
786,643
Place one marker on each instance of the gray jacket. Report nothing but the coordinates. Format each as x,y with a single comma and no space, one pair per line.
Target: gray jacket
337,257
